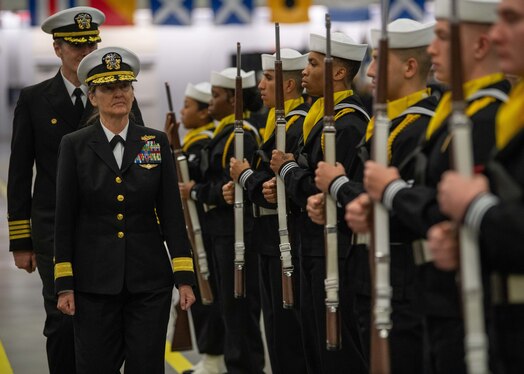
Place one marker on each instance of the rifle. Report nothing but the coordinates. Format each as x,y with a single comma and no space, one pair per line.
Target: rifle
379,256
331,283
475,342
182,335
194,231
240,280
280,129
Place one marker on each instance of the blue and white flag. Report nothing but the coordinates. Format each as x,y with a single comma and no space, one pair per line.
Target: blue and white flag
232,11
41,9
412,9
172,12
349,14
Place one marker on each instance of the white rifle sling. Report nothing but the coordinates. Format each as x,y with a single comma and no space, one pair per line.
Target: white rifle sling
332,278
239,200
381,228
476,344
285,246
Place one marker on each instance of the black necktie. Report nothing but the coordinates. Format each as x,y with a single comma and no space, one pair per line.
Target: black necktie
117,139
79,105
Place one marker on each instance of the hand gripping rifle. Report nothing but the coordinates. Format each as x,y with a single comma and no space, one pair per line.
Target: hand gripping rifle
240,280
331,283
280,129
379,256
193,228
476,344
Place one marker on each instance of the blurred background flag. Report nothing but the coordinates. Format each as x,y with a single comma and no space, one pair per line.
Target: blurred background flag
118,12
172,12
41,9
232,11
289,11
348,11
412,9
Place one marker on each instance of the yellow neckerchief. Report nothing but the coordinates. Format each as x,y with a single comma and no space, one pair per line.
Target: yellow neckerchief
270,122
444,107
510,117
316,112
194,135
223,123
396,107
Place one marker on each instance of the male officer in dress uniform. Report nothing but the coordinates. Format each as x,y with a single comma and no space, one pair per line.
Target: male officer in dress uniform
44,113
485,89
350,123
281,325
493,207
410,107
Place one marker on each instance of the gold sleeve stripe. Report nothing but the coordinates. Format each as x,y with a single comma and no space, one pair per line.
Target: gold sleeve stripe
24,222
25,230
63,269
20,229
21,236
182,264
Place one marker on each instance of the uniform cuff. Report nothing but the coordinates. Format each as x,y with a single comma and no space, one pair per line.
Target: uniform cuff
478,208
391,191
193,193
244,176
337,183
286,167
20,235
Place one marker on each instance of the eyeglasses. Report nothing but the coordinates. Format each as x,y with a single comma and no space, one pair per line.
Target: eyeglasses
112,87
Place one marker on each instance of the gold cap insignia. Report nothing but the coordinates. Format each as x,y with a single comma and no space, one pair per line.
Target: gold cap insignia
83,21
112,60
147,137
54,121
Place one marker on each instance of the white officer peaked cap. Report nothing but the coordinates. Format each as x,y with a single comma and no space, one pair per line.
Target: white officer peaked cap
477,11
342,46
75,25
291,60
405,33
226,78
108,65
199,92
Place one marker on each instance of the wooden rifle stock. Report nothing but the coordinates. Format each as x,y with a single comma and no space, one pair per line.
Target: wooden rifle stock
280,129
189,208
182,332
379,250
475,343
239,265
331,283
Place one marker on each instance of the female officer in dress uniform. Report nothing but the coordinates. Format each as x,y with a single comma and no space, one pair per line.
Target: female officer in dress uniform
115,209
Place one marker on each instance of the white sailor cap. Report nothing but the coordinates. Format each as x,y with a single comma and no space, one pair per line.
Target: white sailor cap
405,33
108,65
342,46
199,92
476,11
291,60
75,25
226,78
